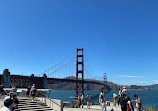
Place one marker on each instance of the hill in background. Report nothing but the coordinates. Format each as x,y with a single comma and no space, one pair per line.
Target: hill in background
113,86
72,86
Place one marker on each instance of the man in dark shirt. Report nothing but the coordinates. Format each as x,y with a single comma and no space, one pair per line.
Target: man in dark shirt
123,102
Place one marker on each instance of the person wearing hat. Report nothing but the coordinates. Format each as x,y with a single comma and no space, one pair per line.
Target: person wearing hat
8,104
125,91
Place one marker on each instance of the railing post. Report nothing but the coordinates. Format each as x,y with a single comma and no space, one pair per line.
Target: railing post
61,102
49,93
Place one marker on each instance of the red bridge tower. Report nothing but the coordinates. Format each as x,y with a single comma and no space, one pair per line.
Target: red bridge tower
79,72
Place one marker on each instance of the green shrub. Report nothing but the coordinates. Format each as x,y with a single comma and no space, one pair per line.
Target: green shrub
67,105
112,100
149,108
76,105
95,103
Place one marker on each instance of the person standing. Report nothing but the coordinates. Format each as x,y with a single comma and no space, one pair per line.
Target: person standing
119,93
79,101
82,100
33,92
14,89
101,96
138,103
88,101
130,106
115,98
28,91
125,91
123,102
103,104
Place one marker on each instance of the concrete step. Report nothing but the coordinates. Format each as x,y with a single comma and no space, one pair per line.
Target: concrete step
31,103
37,110
26,104
32,106
42,109
27,100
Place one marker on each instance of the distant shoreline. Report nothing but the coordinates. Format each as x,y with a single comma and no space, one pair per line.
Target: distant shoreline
139,89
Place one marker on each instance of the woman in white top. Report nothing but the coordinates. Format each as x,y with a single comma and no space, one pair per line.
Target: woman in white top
101,96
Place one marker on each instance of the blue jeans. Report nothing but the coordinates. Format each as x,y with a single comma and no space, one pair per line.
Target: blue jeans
139,109
104,106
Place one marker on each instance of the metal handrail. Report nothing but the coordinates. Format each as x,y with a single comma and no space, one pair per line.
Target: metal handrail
43,95
47,96
5,92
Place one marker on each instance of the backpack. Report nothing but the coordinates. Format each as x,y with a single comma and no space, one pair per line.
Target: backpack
122,101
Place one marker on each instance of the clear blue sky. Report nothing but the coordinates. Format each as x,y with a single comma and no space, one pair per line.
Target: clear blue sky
120,37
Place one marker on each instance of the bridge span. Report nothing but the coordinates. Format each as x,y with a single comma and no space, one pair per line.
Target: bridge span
52,80
41,82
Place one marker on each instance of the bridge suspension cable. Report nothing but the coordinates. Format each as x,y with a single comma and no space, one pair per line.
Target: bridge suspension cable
57,64
88,68
61,66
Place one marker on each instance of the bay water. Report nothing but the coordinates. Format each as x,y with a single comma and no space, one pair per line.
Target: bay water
149,97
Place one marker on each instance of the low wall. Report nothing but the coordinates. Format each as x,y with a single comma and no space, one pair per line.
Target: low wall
55,104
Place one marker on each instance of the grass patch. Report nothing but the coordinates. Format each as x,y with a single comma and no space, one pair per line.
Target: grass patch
149,108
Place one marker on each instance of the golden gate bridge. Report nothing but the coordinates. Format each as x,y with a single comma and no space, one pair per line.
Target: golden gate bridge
73,65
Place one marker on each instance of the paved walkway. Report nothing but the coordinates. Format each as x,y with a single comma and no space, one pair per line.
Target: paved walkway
78,109
94,108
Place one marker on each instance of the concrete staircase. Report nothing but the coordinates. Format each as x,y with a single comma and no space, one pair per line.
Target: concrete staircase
26,104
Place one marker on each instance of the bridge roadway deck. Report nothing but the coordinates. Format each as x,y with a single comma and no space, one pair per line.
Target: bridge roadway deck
52,80
20,89
58,80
